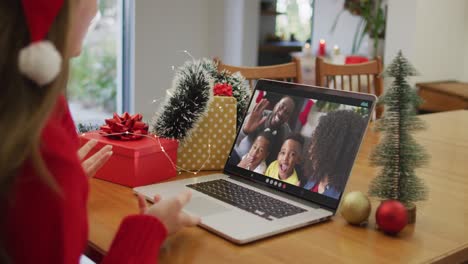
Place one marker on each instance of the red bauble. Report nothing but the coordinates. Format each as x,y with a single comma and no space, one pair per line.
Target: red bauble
391,216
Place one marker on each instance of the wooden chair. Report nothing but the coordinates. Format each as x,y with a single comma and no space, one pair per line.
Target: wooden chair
363,77
290,72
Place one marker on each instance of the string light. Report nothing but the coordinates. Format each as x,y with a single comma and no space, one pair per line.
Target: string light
163,150
169,94
173,68
157,100
188,53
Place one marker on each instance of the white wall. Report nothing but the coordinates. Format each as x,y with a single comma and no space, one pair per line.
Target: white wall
401,28
464,76
440,40
162,30
432,34
233,11
251,28
241,24
216,42
203,27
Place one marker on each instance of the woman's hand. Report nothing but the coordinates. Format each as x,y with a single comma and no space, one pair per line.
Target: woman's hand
256,117
169,211
92,164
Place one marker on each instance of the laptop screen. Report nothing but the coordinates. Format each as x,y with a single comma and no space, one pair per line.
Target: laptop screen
301,140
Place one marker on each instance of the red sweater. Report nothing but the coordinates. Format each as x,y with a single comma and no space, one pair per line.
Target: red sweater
43,227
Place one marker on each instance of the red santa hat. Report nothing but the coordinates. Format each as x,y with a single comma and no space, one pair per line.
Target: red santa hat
40,61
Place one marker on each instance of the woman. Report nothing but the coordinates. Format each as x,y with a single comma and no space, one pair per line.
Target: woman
43,179
331,152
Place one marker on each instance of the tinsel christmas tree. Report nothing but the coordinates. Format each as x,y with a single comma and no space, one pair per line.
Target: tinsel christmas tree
398,153
188,102
189,98
84,128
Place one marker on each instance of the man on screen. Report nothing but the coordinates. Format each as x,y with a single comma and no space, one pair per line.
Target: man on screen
262,120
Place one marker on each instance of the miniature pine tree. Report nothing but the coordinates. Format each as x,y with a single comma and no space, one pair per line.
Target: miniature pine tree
398,154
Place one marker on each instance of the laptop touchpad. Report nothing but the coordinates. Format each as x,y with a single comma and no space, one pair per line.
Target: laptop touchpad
202,206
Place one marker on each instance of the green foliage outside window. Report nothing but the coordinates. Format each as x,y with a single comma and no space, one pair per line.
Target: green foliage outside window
93,77
296,20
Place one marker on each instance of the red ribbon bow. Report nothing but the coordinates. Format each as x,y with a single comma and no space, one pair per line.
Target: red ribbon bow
222,89
125,127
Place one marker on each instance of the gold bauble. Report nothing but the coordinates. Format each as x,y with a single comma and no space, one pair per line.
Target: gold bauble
355,208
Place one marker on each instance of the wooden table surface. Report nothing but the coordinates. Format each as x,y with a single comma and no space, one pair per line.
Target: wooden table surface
439,235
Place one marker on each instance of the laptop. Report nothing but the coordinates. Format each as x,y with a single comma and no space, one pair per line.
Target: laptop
285,182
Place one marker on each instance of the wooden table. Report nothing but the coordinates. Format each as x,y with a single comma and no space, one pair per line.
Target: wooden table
443,96
439,235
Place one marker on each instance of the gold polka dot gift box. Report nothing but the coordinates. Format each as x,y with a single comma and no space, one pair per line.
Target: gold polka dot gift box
210,142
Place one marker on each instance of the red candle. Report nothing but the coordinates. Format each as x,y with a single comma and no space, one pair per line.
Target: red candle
321,50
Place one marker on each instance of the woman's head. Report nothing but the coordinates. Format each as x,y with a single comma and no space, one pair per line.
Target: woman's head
83,13
24,105
331,150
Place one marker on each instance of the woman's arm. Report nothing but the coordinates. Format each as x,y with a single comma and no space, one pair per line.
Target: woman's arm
138,240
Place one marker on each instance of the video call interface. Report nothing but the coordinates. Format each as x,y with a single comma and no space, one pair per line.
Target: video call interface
302,142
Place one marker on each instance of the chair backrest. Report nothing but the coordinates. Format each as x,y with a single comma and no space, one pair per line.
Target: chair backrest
363,77
290,72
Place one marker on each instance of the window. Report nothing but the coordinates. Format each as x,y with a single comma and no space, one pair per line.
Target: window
98,86
296,23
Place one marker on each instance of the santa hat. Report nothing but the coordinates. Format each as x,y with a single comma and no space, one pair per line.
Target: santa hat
40,61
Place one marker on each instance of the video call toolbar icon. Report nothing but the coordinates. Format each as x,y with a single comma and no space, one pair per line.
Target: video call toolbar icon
275,183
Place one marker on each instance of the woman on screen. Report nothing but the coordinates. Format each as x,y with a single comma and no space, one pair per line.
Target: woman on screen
330,154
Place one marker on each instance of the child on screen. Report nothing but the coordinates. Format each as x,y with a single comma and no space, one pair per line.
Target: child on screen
289,156
254,160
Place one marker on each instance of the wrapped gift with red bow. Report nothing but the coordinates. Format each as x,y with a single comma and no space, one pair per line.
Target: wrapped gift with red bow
138,158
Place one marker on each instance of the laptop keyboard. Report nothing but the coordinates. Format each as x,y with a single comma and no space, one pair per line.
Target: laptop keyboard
246,199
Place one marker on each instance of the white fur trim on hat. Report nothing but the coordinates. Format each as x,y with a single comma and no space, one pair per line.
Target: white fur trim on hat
40,62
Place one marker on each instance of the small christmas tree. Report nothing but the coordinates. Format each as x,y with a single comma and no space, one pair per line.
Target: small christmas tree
398,153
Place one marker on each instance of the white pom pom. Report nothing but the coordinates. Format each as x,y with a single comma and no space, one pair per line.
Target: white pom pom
40,62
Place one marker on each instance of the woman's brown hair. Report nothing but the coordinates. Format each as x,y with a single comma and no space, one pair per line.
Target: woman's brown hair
24,106
333,146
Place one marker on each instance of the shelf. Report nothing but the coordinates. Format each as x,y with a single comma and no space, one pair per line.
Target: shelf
270,13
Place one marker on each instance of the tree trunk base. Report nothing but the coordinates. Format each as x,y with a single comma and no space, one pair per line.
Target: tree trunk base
411,211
